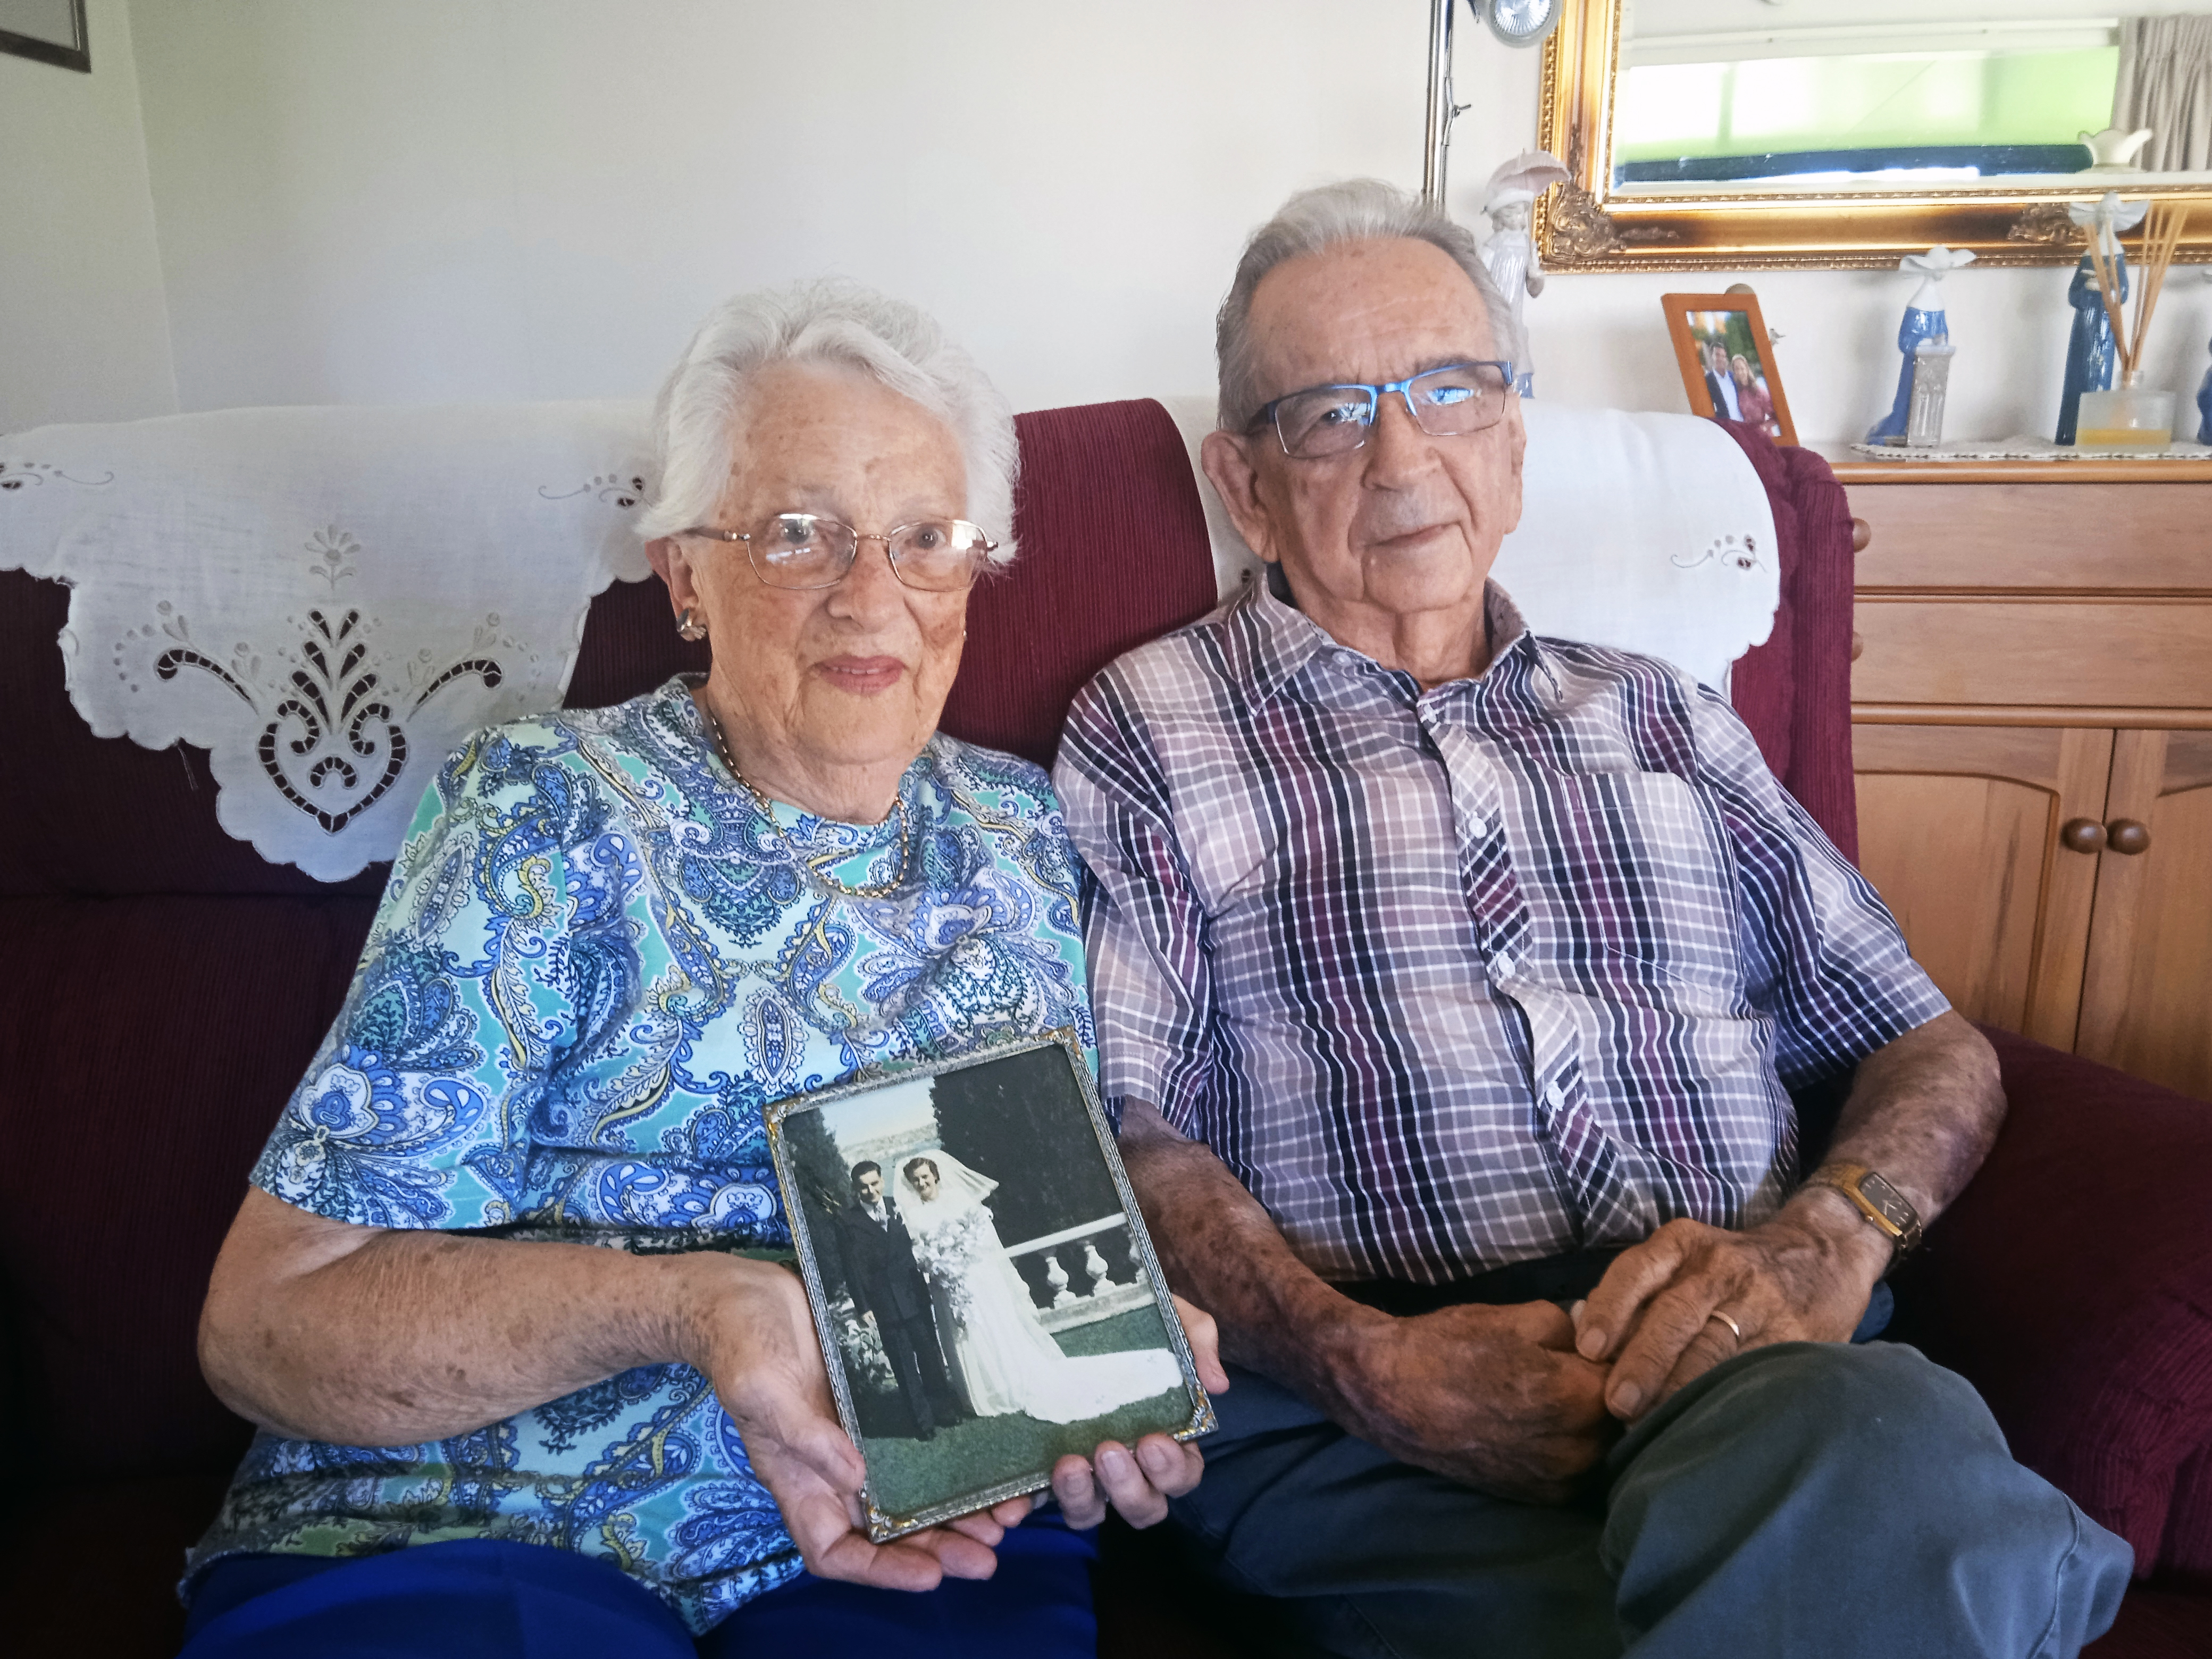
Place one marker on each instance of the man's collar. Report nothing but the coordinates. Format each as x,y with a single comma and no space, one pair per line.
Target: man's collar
1272,641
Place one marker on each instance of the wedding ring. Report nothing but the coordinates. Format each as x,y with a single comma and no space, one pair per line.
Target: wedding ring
1730,1323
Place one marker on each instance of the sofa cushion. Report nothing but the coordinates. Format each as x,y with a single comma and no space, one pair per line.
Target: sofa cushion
1114,552
147,1043
2187,1551
2159,1622
90,1571
1794,690
2067,1283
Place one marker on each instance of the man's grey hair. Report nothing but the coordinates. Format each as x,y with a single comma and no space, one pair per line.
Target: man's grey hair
1355,210
839,323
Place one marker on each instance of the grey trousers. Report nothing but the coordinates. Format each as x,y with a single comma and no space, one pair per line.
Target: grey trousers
1803,1499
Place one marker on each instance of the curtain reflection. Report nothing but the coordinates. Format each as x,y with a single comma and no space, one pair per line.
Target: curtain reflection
2166,84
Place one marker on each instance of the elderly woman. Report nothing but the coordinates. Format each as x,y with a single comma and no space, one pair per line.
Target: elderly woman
521,1388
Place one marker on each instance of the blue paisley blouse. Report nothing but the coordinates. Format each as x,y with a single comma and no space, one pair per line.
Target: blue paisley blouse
595,963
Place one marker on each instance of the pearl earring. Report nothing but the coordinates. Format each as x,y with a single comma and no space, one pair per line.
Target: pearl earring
688,627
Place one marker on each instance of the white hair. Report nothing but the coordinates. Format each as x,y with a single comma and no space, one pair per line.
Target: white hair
832,320
1354,210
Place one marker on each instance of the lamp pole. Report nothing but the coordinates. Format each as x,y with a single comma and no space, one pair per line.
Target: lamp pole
1442,110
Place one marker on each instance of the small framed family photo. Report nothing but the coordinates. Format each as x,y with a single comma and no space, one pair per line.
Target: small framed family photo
986,1296
1726,361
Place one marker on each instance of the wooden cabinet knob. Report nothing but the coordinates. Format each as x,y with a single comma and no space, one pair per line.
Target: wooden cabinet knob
2082,836
2127,836
1858,644
1862,533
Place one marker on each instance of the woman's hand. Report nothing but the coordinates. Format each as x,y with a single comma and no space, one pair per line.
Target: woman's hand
1139,1483
754,1339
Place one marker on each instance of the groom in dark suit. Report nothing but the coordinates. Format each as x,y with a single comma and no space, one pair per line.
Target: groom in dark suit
886,1282
1720,385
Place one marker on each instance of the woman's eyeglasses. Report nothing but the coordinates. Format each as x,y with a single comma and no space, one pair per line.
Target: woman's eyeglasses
804,550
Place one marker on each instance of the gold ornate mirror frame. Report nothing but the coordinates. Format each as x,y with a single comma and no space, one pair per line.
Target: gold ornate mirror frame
1584,225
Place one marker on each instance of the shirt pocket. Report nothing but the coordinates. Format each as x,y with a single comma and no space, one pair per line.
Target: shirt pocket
1632,891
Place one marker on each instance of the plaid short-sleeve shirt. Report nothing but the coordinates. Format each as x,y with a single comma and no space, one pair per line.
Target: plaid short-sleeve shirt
1523,964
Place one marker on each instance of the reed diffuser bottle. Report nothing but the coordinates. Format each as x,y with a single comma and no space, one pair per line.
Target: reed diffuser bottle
2132,416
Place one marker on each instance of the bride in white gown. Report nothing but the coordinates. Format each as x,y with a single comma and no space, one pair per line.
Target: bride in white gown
1000,1358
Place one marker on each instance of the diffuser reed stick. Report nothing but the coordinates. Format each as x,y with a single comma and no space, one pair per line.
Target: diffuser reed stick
2161,237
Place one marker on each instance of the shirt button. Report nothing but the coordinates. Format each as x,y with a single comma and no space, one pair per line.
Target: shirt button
1477,828
1501,965
1554,1095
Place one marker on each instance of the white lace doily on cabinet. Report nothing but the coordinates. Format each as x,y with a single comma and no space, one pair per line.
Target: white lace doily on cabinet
327,600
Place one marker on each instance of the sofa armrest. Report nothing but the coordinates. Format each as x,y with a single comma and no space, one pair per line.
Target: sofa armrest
2071,1284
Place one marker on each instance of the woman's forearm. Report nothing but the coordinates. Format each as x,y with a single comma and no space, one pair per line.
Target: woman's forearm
368,1336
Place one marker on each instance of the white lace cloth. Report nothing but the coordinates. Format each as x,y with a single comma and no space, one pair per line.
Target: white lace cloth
1647,532
2030,449
327,600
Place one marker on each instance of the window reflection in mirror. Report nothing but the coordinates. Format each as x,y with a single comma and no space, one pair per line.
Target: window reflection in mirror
1889,94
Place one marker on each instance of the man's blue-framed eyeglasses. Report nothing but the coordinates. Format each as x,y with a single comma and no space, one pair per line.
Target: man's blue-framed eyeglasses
1333,419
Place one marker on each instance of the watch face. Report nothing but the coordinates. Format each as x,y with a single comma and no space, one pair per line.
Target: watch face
1887,1199
1523,22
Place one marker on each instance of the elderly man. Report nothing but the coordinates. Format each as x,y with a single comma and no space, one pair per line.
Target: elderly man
1446,976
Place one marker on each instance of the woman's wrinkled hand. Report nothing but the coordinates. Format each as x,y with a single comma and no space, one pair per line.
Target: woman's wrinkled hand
1139,1482
754,1339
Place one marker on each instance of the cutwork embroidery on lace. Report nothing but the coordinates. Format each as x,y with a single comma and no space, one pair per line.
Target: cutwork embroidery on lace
1742,551
332,745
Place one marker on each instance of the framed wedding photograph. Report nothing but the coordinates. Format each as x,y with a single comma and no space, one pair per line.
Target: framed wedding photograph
985,1293
50,31
1726,361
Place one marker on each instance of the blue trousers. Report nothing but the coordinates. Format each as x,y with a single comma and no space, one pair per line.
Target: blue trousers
482,1599
1805,1499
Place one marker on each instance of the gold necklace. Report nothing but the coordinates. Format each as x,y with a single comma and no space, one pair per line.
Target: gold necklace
813,866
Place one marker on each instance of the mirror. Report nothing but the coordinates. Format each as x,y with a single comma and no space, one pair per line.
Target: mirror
1706,134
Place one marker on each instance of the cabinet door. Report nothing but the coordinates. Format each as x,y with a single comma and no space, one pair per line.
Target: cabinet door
1960,832
2146,1004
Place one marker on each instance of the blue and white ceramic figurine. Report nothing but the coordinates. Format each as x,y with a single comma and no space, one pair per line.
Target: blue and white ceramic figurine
2091,354
2204,398
2204,409
1925,319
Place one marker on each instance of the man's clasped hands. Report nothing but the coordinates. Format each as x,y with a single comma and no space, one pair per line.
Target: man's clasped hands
1523,1400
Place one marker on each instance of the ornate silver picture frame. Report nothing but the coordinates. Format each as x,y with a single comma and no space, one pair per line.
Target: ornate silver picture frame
986,1296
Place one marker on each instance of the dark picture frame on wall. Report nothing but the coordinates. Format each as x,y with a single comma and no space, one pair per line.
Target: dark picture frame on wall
49,31
1727,359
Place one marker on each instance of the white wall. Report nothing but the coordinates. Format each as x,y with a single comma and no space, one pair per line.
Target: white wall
398,200
84,332
411,200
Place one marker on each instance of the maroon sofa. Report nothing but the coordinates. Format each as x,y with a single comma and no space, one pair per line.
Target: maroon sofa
161,989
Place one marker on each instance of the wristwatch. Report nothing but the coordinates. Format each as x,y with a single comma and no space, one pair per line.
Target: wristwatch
1881,1204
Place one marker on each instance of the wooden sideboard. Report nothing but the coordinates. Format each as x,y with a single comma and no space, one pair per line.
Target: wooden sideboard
2032,709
